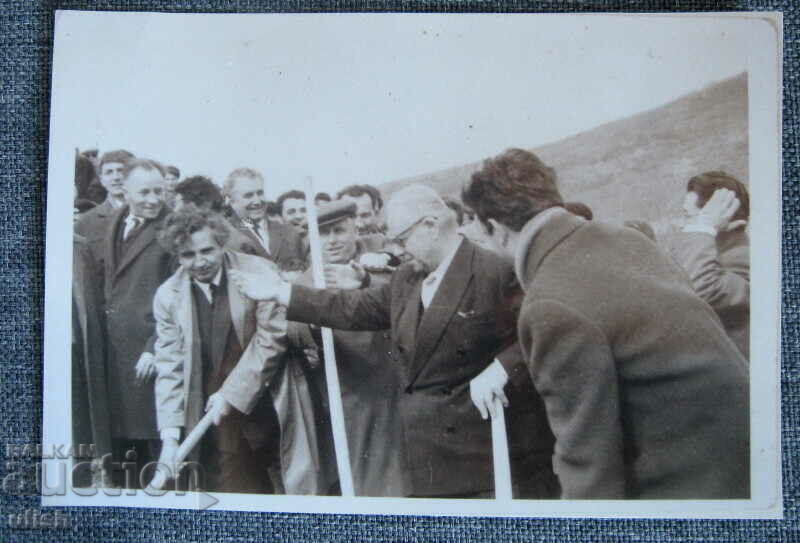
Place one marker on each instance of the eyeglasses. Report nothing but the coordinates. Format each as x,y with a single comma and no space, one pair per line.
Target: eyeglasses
401,238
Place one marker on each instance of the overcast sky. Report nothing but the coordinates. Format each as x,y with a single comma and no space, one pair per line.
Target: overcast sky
367,98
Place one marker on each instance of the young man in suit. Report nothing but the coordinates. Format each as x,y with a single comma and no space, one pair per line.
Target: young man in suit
646,394
447,317
134,266
93,224
216,350
244,191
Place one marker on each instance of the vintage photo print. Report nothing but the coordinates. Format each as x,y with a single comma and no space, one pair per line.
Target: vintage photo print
484,265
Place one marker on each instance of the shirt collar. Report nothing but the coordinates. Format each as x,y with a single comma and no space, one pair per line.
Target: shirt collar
216,281
441,269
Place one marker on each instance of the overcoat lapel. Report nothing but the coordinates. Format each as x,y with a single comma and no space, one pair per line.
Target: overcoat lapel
110,243
145,237
244,328
443,306
193,367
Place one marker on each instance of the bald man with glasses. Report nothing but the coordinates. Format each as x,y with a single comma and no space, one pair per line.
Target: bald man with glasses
450,317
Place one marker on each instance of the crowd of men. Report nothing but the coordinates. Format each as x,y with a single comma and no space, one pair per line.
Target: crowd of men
619,361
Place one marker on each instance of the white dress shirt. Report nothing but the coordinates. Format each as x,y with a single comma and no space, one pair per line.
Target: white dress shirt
174,432
431,283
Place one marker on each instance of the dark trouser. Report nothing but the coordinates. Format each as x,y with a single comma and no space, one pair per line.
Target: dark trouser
235,467
129,458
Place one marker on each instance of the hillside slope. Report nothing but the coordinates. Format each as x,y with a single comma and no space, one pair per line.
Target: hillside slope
637,167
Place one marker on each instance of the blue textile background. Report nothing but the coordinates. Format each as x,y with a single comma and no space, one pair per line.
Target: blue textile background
26,32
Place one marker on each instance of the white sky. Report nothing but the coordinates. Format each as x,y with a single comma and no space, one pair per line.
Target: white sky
367,98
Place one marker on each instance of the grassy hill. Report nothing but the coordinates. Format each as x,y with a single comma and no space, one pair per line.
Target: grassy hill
637,167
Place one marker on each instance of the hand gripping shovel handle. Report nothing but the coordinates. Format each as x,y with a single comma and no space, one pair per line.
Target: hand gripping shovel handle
191,441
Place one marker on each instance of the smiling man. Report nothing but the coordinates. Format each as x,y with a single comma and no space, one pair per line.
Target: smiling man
134,266
93,224
244,192
370,384
216,351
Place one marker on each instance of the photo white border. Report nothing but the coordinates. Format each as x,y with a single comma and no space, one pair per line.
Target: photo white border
764,97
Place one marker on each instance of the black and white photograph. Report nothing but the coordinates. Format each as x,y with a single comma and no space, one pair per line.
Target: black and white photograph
484,265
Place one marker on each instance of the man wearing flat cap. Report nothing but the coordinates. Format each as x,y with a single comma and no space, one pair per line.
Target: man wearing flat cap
449,319
370,385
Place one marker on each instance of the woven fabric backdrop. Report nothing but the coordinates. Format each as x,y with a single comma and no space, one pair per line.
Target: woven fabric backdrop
26,33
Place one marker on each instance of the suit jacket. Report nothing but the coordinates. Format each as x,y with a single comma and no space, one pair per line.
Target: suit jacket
284,244
646,394
448,444
719,269
261,331
130,282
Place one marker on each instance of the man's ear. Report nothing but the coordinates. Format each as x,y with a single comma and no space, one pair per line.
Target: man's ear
499,232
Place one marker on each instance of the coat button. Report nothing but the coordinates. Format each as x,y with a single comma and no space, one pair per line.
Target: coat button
461,352
450,430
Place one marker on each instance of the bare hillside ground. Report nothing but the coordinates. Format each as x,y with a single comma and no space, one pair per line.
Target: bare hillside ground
638,167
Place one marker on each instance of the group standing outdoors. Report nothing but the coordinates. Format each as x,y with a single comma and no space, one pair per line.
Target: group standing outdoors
620,361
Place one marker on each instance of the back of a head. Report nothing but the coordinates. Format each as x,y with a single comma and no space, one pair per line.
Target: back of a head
200,191
512,188
172,170
706,183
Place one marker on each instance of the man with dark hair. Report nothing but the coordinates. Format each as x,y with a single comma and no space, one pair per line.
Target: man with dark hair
244,191
293,212
448,319
215,351
322,198
171,176
714,249
233,350
579,209
134,266
93,224
646,395
369,204
201,192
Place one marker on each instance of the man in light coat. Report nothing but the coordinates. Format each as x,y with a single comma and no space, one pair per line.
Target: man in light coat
219,351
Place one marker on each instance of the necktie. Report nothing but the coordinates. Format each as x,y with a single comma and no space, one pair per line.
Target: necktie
212,288
255,225
131,224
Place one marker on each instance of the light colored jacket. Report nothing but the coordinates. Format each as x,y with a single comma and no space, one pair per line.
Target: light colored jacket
261,329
